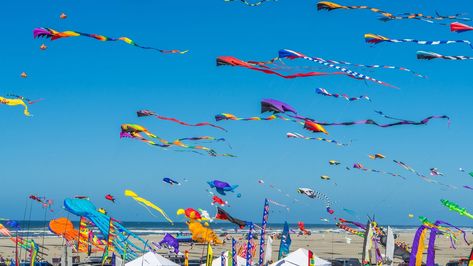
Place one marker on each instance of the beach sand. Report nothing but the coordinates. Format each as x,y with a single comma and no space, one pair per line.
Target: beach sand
327,245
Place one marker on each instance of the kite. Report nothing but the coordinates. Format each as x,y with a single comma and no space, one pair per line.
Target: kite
219,201
324,92
118,238
459,27
222,186
386,16
303,230
223,215
201,234
170,181
422,55
376,156
299,136
63,227
410,215
14,102
375,39
258,3
286,53
46,203
168,241
110,198
471,174
54,35
316,195
435,172
333,162
456,208
143,113
23,75
63,16
190,213
135,131
314,127
43,47
324,220
232,61
468,187
146,203
325,177
361,167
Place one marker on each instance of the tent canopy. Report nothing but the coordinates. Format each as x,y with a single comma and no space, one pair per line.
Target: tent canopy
151,259
300,257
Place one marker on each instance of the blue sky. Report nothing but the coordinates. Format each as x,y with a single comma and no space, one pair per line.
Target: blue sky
71,146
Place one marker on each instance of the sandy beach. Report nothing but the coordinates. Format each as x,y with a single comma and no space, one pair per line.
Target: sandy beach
328,246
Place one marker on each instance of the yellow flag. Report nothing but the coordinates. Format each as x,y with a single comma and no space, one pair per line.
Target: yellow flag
209,255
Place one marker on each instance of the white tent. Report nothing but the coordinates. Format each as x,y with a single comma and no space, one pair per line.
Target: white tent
218,261
151,259
300,257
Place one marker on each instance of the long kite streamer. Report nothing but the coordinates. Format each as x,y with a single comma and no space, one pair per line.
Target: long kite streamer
422,55
54,35
386,16
143,113
374,66
135,131
300,136
232,61
286,53
361,167
375,39
249,3
324,92
146,203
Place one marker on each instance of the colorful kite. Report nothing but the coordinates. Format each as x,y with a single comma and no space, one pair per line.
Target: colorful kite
221,187
146,203
258,3
143,113
219,201
386,16
422,55
170,181
190,213
456,208
376,156
459,27
110,198
375,39
135,131
223,215
324,92
169,242
202,234
435,172
14,102
54,35
333,162
361,167
303,230
325,177
317,195
28,101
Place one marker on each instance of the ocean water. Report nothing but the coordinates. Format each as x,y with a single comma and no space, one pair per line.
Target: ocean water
40,228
